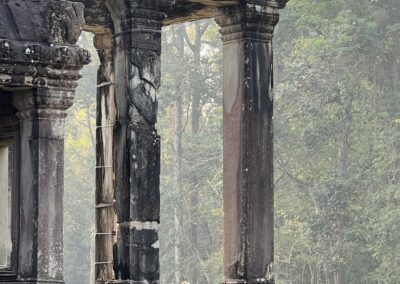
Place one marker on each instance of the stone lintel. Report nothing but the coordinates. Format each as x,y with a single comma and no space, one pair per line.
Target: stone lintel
97,16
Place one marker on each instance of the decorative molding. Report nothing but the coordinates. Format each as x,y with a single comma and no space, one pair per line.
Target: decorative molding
43,104
65,21
252,20
137,15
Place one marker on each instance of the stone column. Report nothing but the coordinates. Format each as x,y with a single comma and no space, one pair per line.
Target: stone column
137,38
105,215
248,140
42,113
40,62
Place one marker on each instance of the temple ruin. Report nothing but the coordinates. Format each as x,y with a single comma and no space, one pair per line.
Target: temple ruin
39,71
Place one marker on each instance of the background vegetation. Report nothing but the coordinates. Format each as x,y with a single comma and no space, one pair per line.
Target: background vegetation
337,152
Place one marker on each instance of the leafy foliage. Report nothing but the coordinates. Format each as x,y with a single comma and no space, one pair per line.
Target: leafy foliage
337,150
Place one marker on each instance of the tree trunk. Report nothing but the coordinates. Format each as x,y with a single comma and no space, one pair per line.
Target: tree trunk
177,179
343,172
195,47
179,44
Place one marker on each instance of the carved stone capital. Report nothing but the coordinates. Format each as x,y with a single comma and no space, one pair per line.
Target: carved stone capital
43,104
137,32
138,22
253,19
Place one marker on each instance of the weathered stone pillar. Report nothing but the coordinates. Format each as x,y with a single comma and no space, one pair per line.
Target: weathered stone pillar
137,39
105,215
40,62
248,140
42,113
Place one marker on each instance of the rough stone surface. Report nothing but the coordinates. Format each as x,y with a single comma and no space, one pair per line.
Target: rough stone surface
42,45
137,38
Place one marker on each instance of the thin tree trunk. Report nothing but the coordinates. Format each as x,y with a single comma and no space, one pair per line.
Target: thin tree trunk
195,47
179,44
177,248
343,172
178,181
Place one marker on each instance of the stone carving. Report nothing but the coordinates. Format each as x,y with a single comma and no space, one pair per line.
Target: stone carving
42,105
62,23
65,22
43,46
